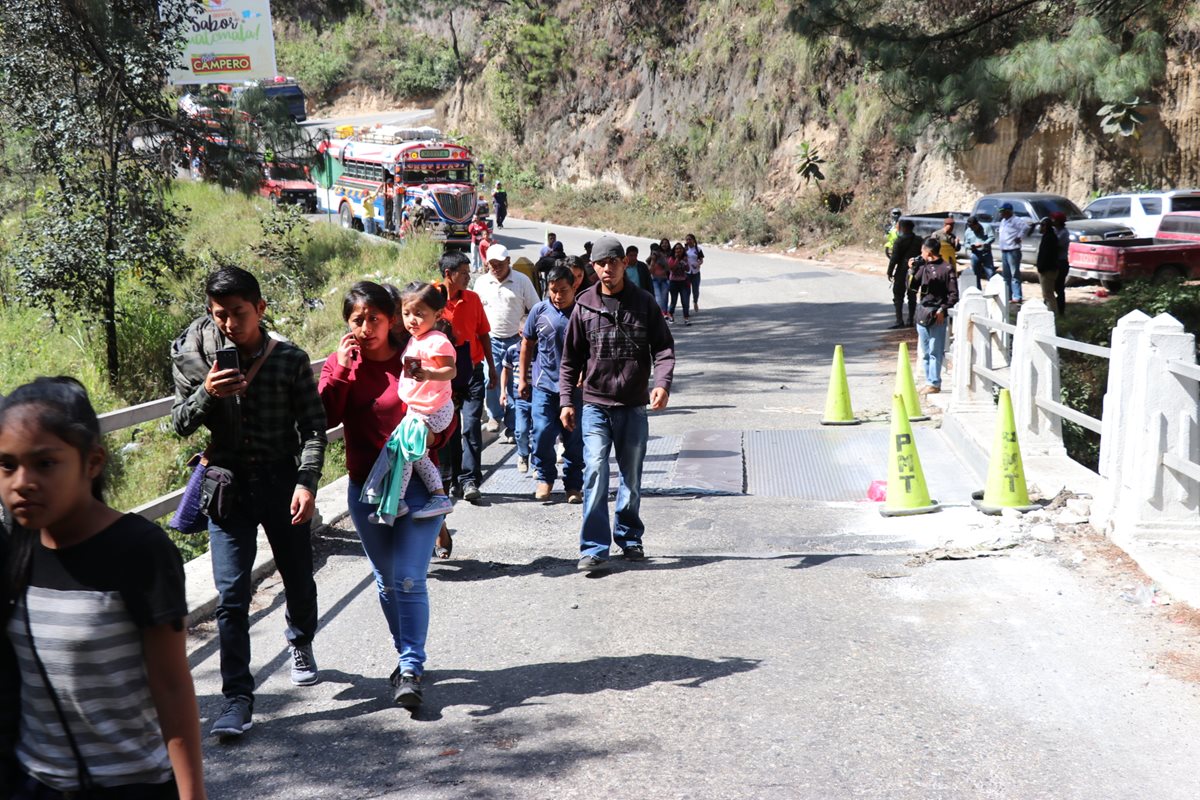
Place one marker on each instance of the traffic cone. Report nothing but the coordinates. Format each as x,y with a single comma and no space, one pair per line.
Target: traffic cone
837,401
906,387
1006,473
906,490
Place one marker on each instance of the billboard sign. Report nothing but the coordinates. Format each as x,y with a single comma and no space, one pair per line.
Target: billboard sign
228,41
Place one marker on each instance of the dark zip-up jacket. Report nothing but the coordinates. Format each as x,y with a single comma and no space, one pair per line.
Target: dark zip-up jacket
906,247
616,352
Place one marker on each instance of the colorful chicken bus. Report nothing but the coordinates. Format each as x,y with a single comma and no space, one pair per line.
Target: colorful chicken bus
392,180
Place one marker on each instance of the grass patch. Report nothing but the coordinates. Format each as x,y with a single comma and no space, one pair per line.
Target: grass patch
714,216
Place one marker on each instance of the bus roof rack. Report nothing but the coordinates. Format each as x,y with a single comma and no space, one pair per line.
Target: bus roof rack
391,134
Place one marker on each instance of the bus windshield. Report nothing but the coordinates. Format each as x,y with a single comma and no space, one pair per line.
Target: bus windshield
457,174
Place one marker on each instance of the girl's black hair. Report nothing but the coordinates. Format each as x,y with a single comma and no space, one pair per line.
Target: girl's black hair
433,296
61,407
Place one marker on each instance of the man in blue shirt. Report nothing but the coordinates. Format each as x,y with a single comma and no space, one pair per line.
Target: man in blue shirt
543,336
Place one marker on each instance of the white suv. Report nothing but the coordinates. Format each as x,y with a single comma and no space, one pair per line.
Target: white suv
1143,212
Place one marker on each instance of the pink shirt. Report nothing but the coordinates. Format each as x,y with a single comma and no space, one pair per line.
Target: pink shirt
425,397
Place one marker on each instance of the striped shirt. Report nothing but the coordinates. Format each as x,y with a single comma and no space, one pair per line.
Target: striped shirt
87,606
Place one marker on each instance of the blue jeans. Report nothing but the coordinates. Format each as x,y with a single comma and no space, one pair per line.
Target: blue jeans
694,280
931,344
680,290
1010,268
264,497
626,430
399,555
522,417
492,396
546,429
983,267
661,291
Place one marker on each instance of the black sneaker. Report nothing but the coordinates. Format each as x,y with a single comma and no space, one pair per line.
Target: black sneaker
236,717
304,666
406,689
471,493
591,563
634,552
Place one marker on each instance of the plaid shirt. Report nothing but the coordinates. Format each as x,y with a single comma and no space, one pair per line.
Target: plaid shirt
281,414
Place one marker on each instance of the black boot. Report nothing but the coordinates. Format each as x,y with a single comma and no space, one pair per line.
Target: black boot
899,316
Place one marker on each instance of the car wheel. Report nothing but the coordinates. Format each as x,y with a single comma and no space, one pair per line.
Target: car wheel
346,217
1169,273
1111,284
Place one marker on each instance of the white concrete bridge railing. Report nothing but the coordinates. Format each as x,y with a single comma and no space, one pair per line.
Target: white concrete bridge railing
1148,481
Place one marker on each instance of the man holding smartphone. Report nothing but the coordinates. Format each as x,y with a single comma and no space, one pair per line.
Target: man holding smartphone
258,398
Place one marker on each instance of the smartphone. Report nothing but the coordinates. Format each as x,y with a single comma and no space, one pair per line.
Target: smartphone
227,358
411,363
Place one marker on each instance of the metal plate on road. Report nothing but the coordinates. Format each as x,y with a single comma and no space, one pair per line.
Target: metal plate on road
657,470
838,464
705,462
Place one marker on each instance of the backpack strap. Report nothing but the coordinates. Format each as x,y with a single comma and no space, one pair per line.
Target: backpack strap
271,342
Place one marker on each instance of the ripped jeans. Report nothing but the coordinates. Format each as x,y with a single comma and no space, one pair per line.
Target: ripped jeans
399,554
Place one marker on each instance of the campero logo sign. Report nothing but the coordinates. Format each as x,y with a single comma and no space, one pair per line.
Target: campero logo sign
203,65
227,40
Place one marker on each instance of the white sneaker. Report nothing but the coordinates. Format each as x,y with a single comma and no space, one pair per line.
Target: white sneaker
492,426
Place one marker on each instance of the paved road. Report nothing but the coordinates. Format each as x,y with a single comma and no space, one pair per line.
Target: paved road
772,647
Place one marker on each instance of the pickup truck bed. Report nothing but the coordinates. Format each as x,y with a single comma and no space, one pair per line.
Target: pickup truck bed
926,225
1120,260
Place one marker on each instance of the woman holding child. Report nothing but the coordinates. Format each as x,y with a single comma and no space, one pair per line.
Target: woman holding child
363,384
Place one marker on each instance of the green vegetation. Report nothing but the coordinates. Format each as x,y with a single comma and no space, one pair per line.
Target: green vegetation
961,68
364,50
304,270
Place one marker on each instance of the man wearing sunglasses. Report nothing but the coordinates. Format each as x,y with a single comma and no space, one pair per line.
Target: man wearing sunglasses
619,350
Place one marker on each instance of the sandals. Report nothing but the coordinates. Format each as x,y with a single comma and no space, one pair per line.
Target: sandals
444,552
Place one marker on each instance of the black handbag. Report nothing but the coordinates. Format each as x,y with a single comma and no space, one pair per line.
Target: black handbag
216,493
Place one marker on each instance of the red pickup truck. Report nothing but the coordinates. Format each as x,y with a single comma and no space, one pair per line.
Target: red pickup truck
1173,254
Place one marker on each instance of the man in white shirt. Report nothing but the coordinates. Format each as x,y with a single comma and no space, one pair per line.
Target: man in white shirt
551,238
1009,232
507,297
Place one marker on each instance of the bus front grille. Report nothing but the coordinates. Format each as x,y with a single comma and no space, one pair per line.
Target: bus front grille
457,207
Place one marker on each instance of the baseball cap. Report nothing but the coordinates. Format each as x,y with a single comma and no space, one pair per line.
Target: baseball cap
497,252
607,247
1006,207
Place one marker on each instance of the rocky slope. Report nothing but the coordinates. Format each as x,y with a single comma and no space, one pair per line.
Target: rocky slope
699,97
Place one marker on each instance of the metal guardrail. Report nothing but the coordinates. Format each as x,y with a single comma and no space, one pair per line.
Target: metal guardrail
123,418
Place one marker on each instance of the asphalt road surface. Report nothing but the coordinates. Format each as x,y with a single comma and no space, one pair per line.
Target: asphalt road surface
774,645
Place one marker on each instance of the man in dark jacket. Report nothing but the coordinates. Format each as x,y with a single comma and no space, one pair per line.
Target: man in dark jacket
936,281
906,247
616,340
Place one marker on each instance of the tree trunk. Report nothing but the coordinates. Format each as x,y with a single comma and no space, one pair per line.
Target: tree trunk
454,40
110,326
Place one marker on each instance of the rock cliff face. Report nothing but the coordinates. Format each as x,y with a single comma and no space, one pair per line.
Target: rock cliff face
1063,151
722,96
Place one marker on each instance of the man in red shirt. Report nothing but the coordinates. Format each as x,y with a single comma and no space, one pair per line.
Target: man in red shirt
478,229
461,459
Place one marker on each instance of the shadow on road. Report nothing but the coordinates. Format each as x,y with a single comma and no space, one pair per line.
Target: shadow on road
495,691
551,567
